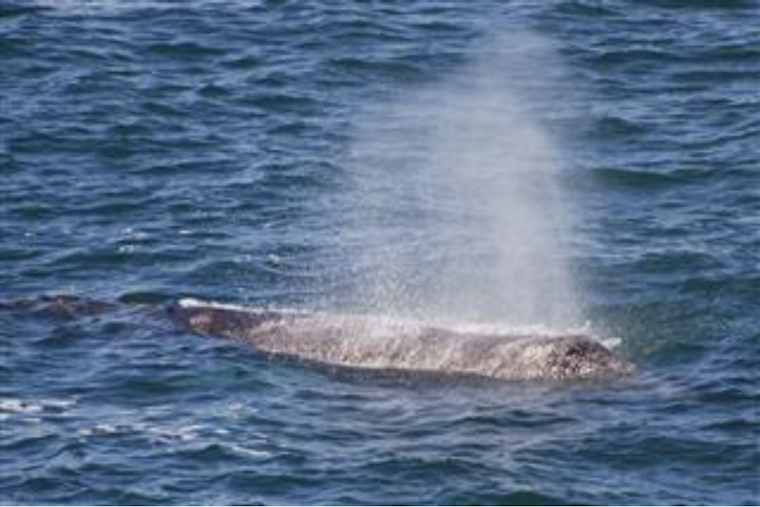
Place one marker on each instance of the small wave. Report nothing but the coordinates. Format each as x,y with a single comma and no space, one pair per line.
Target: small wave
580,8
191,437
155,433
703,4
281,102
93,6
616,126
17,406
185,50
248,451
10,407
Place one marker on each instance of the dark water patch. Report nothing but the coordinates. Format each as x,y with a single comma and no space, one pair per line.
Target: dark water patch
146,298
282,103
12,9
712,76
591,10
384,69
518,497
247,62
666,262
616,127
632,58
15,47
276,485
739,56
638,179
190,51
164,109
703,4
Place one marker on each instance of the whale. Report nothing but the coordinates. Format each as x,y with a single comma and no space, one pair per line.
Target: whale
384,344
360,342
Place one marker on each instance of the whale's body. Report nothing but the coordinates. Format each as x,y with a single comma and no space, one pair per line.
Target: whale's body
381,344
365,342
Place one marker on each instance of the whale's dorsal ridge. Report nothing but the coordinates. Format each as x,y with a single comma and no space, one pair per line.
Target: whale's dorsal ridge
364,342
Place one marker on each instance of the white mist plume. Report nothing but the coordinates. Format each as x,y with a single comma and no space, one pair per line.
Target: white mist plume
457,213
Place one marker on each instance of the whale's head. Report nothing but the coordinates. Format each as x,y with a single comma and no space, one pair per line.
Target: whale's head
573,357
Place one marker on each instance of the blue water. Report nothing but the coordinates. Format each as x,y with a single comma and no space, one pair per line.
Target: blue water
151,150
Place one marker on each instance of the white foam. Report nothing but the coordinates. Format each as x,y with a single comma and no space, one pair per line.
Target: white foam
248,451
611,342
17,406
200,303
20,406
99,429
191,436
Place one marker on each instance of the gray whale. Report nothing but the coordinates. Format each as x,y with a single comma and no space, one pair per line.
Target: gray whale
355,341
363,342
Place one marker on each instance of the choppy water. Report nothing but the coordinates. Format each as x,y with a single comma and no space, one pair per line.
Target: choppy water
152,150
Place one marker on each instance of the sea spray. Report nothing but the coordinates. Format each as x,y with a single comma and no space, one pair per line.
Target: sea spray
455,213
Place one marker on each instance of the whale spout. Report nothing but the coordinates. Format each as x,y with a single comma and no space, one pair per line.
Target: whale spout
355,341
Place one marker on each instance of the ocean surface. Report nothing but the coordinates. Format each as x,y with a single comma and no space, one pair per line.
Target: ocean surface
557,164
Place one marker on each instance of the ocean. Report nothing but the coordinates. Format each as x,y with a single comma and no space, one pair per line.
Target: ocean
563,164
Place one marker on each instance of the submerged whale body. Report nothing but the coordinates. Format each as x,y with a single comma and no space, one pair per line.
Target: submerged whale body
382,344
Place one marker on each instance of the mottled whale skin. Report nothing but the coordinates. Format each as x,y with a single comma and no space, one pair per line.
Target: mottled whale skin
363,342
382,344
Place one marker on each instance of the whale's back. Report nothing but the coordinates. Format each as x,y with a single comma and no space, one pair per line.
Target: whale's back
384,344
